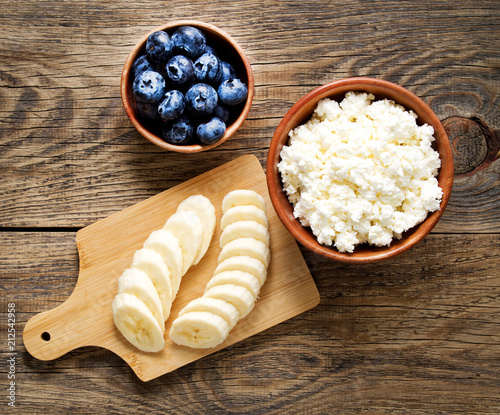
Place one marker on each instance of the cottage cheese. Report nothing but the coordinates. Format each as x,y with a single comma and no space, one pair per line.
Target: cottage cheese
360,171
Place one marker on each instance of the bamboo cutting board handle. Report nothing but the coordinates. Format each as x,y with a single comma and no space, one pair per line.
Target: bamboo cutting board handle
84,319
51,334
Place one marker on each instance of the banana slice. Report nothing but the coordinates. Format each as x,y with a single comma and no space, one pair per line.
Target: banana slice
137,323
187,228
152,264
244,263
245,279
243,197
214,305
167,245
135,282
201,206
244,229
240,213
248,247
236,295
199,329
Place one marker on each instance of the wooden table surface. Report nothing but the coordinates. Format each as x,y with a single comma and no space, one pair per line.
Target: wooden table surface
418,334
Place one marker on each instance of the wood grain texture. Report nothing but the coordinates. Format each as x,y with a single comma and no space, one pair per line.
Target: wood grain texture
415,335
61,104
382,340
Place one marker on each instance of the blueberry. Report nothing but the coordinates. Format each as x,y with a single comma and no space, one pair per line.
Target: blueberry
222,113
227,72
210,49
172,105
159,46
180,70
148,86
189,41
207,68
146,110
201,99
179,131
211,131
232,91
141,64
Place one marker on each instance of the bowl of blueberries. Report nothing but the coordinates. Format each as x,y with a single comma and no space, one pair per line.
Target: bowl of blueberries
187,86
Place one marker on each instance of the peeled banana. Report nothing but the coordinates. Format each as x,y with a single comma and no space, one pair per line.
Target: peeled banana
234,294
147,289
243,212
242,278
203,208
136,282
244,229
167,245
246,246
215,305
235,286
244,263
243,198
186,226
152,264
199,329
137,323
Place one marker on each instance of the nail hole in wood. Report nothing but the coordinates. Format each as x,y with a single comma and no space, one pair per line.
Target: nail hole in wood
46,336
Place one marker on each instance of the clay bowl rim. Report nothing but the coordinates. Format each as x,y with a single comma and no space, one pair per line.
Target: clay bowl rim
301,112
209,30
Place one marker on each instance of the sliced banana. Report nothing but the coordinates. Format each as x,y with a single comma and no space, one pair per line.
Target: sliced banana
243,197
187,228
244,229
147,289
215,305
242,270
167,245
201,206
245,279
248,247
199,329
236,295
137,323
246,264
152,264
135,282
240,213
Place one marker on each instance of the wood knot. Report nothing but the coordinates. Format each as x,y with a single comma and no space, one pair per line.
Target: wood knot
475,146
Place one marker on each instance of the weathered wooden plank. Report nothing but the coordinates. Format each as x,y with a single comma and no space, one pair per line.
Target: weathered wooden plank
416,334
67,147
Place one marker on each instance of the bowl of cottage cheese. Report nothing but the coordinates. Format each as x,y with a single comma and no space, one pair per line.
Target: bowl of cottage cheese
360,170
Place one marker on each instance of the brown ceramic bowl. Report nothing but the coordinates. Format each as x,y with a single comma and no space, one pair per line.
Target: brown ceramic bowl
227,49
302,111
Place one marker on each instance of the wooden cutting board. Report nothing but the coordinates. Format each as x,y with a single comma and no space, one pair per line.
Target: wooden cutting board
106,248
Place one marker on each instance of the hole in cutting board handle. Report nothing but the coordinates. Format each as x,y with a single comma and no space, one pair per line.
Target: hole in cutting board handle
45,336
